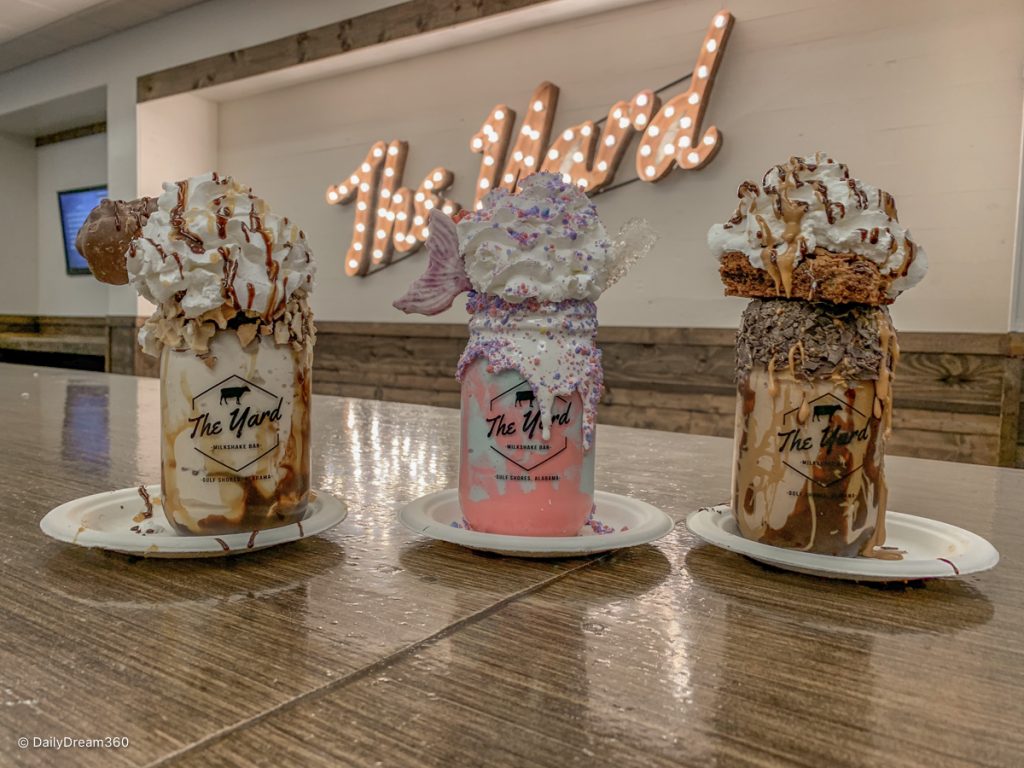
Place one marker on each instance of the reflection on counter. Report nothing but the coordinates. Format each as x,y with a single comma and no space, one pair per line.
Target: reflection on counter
86,435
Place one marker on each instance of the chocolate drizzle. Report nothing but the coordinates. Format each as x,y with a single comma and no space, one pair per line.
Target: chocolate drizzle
147,513
273,267
163,255
177,218
230,272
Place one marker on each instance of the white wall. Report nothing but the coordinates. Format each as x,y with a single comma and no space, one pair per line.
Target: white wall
20,283
66,165
921,98
177,139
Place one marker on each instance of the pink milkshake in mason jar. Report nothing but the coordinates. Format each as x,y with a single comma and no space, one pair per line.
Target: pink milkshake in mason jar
533,262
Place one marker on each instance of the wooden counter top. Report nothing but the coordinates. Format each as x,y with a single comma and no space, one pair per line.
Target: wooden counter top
370,646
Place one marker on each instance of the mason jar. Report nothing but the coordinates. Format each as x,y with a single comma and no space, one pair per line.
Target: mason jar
513,478
235,452
808,469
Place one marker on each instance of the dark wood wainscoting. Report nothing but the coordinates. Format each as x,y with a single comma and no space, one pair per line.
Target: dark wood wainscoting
958,396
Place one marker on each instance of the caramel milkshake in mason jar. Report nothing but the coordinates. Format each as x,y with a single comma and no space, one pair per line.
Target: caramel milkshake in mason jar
534,263
822,255
234,335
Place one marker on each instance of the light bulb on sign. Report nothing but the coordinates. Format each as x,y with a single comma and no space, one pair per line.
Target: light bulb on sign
492,141
678,123
392,218
428,198
532,140
583,155
363,183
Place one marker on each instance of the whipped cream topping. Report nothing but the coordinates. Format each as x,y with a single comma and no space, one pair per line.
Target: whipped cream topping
212,243
551,345
545,242
813,202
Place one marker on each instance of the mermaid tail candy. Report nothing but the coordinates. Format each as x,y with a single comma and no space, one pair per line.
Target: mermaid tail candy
445,278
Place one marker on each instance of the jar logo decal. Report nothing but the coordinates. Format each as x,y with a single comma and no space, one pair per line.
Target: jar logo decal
234,423
815,437
514,430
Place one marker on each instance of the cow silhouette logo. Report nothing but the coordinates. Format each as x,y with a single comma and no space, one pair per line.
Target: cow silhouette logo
825,410
526,396
233,393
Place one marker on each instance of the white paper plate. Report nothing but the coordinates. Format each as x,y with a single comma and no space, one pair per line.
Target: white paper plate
932,550
634,522
104,520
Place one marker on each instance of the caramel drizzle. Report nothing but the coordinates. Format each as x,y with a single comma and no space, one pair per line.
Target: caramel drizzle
195,243
888,204
799,346
792,214
886,372
883,410
768,254
804,412
908,259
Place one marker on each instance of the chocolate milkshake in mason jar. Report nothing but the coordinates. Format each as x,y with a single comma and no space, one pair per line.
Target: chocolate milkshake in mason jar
821,255
234,335
533,262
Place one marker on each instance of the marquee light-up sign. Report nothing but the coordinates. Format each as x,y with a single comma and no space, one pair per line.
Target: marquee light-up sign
393,219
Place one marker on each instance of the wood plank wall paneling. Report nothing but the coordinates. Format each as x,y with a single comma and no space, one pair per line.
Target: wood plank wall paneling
69,134
951,395
959,397
369,29
73,336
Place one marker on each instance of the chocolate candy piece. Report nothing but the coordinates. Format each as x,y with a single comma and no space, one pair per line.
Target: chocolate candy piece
107,233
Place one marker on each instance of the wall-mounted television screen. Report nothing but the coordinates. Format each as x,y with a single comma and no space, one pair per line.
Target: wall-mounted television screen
75,205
